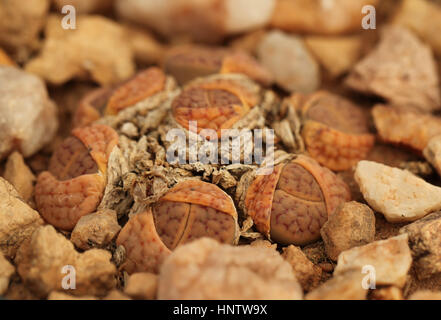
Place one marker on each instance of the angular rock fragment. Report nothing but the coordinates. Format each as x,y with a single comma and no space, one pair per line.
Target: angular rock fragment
425,295
389,260
19,291
20,25
387,293
263,244
307,273
249,41
205,269
432,152
206,21
405,127
116,295
57,295
337,54
287,58
97,49
95,230
401,69
85,6
48,257
398,194
321,17
20,176
6,271
146,48
424,18
17,220
350,226
28,118
425,243
4,59
345,286
142,286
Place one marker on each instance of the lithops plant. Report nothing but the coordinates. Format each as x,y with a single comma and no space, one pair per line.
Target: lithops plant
186,63
335,130
74,184
290,205
190,210
111,101
217,102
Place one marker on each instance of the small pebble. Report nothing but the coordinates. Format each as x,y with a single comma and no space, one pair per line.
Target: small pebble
398,194
28,118
6,271
391,260
432,153
350,226
95,230
346,286
142,286
20,176
425,243
41,260
17,220
287,58
307,273
425,295
206,269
